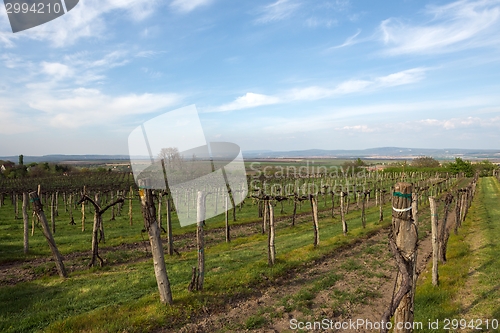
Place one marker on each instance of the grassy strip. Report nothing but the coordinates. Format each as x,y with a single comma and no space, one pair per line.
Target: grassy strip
445,301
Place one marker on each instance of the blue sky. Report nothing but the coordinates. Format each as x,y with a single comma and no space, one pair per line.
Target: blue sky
277,75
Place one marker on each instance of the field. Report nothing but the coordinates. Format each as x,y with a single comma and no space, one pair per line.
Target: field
345,277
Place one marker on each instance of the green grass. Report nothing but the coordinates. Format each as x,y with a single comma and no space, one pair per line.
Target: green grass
446,301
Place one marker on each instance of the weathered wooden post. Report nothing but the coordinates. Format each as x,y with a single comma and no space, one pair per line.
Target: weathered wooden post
26,221
381,209
131,196
226,218
435,241
444,233
363,207
170,237
403,243
37,207
271,251
83,210
149,215
342,212
333,203
457,211
200,215
314,208
53,212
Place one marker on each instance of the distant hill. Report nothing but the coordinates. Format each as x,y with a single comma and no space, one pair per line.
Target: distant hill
379,153
384,152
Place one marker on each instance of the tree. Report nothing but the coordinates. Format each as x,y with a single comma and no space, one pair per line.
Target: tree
425,162
21,159
485,168
461,166
354,166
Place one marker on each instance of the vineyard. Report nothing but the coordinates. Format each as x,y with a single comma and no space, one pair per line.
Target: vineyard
78,253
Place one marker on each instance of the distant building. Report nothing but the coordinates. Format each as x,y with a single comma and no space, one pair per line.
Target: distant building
6,165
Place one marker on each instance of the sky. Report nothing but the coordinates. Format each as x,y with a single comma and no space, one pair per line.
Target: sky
264,74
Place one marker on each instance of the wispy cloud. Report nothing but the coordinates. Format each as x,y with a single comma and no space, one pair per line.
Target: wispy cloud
349,41
277,11
313,93
459,25
185,6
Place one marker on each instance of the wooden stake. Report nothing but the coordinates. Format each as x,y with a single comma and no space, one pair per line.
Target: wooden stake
314,208
271,251
26,221
170,238
149,215
435,244
226,217
403,243
200,241
37,206
342,212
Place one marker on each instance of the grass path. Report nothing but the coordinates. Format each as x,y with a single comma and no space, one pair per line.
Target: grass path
470,281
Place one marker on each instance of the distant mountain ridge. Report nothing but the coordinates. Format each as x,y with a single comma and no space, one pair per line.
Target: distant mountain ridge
382,153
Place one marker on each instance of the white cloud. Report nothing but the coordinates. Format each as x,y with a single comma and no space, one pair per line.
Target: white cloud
185,6
83,107
249,100
313,93
464,122
278,10
56,70
357,128
400,78
458,25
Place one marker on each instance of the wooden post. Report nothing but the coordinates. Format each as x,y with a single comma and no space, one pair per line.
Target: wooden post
226,217
363,207
149,215
457,212
444,233
264,217
271,251
200,241
26,221
56,210
83,210
435,242
113,213
294,215
403,244
333,204
95,231
159,219
170,237
130,218
16,206
53,212
37,206
342,212
381,202
314,208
